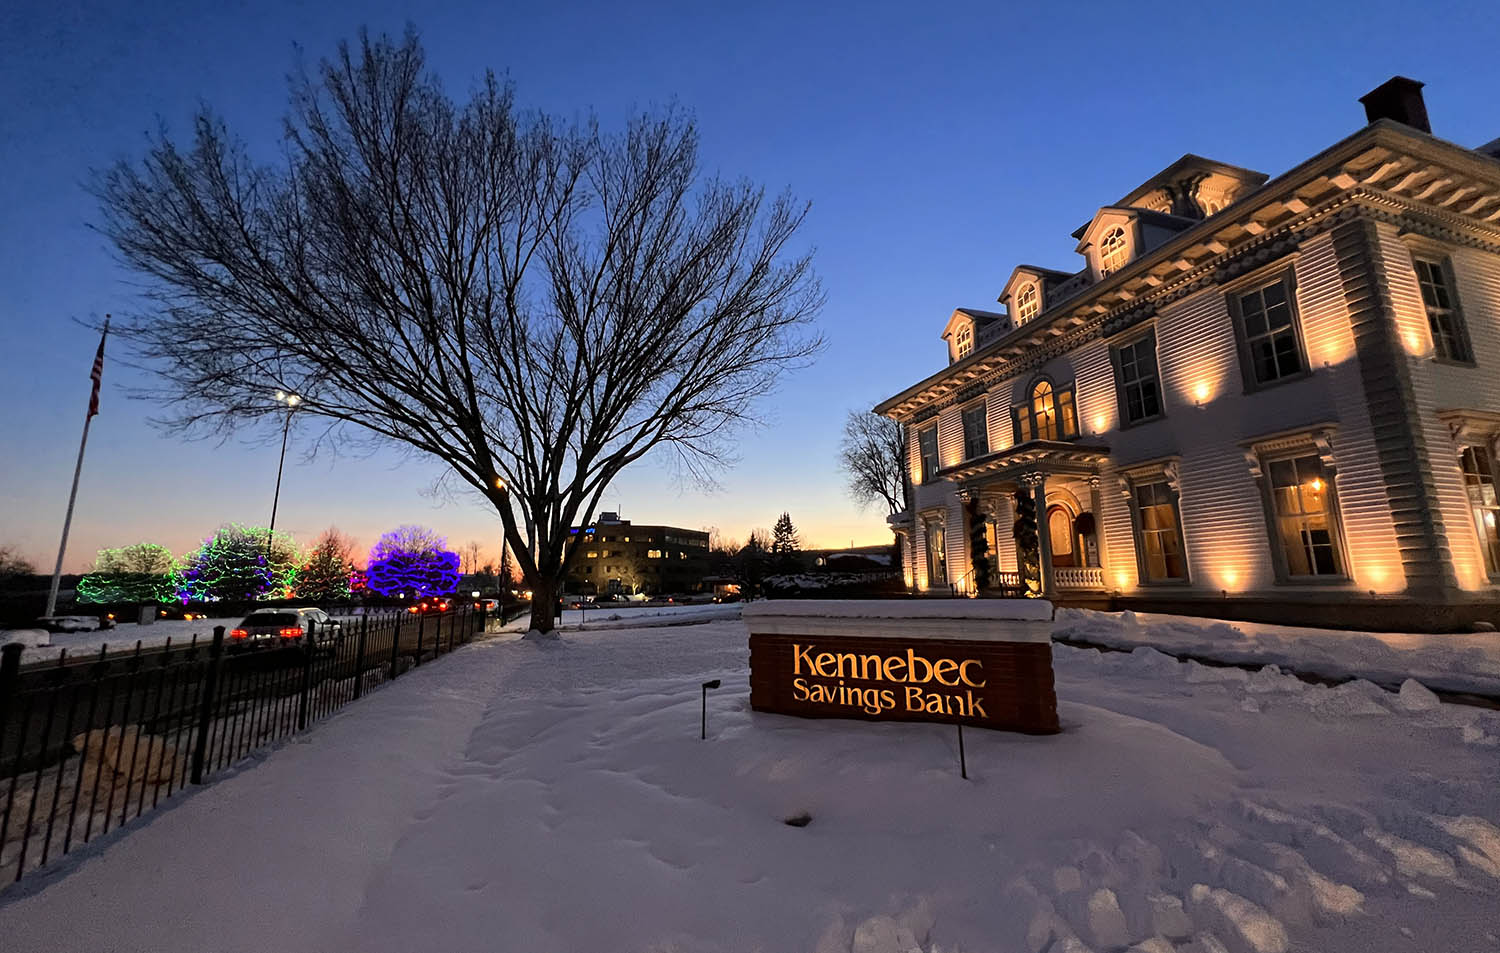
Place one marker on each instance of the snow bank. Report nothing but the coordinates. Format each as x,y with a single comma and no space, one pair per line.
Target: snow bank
1463,662
1028,610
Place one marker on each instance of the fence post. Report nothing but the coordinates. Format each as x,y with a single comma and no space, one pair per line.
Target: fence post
359,656
10,678
396,644
421,624
206,703
302,696
483,621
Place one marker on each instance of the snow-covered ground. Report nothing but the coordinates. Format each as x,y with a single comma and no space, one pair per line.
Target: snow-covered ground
554,796
1461,662
124,636
616,615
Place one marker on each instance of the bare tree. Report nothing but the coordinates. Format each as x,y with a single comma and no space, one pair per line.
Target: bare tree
537,304
469,552
12,564
873,456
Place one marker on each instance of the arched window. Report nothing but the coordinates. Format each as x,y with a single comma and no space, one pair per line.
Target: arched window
1048,414
963,341
1043,411
1112,249
1027,304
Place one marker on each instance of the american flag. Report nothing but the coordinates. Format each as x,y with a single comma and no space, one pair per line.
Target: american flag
97,374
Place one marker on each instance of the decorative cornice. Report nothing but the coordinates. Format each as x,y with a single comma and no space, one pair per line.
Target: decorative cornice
1357,196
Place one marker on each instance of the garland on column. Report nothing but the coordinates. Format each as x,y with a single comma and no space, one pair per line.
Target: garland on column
979,545
1028,553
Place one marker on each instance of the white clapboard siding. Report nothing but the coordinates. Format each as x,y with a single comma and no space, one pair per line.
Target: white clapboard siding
1440,387
1374,558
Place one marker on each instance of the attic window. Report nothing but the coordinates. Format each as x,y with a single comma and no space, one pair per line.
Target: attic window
1112,250
963,341
1027,304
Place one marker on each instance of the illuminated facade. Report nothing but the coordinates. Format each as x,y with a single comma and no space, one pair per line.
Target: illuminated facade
618,556
1279,395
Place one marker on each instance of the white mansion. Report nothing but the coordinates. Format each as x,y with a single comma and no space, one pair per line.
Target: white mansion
1281,396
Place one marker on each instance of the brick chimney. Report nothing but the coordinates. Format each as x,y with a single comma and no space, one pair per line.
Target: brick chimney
1400,99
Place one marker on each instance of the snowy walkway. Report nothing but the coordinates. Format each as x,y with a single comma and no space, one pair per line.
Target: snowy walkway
526,797
1459,662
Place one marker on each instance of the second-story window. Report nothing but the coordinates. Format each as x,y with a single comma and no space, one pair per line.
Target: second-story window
1136,377
1048,414
927,449
1112,251
976,432
963,341
1267,324
1450,339
1028,304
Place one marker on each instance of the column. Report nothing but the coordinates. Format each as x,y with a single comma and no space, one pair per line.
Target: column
1094,506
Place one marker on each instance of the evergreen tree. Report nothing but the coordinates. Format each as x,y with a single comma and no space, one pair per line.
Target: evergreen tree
750,565
326,574
785,545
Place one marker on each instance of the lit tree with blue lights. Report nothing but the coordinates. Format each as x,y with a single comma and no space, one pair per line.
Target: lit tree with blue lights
413,560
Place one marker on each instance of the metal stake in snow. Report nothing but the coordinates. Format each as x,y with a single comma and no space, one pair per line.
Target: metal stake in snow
703,734
96,375
963,764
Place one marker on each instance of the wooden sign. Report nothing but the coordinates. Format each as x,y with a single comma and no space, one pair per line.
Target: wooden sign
817,667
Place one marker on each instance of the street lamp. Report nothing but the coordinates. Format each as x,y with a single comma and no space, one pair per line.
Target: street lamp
291,401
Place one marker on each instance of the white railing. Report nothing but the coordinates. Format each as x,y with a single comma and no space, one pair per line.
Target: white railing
1078,577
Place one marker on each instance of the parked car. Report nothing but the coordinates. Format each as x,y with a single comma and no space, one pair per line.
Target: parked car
488,605
69,623
265,628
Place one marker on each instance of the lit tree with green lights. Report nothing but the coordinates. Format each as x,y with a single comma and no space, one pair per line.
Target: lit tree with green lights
236,564
143,572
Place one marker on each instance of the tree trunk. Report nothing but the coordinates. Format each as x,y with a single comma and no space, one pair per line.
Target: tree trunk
544,604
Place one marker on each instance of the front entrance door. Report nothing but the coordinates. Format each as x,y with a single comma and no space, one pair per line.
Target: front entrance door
1060,535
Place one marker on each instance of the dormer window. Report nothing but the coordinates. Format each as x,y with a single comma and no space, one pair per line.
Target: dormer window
1028,304
1112,251
963,341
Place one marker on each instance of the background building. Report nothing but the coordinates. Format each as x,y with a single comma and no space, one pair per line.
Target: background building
1270,398
617,556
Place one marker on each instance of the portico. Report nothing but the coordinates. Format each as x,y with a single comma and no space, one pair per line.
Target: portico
1059,546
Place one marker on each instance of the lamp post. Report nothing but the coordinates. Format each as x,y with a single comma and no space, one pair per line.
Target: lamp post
291,401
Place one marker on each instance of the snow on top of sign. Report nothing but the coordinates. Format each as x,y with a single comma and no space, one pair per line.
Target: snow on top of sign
1021,610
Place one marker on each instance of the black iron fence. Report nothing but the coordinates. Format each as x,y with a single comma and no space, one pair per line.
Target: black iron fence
88,743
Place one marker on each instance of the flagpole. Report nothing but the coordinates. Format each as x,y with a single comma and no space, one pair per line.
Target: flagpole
62,547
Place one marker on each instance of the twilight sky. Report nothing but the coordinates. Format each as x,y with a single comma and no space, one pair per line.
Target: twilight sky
940,146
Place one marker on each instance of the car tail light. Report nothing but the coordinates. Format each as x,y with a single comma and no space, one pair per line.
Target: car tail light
238,634
291,633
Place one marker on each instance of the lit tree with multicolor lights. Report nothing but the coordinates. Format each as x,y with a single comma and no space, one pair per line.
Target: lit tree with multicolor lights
535,301
237,563
414,561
